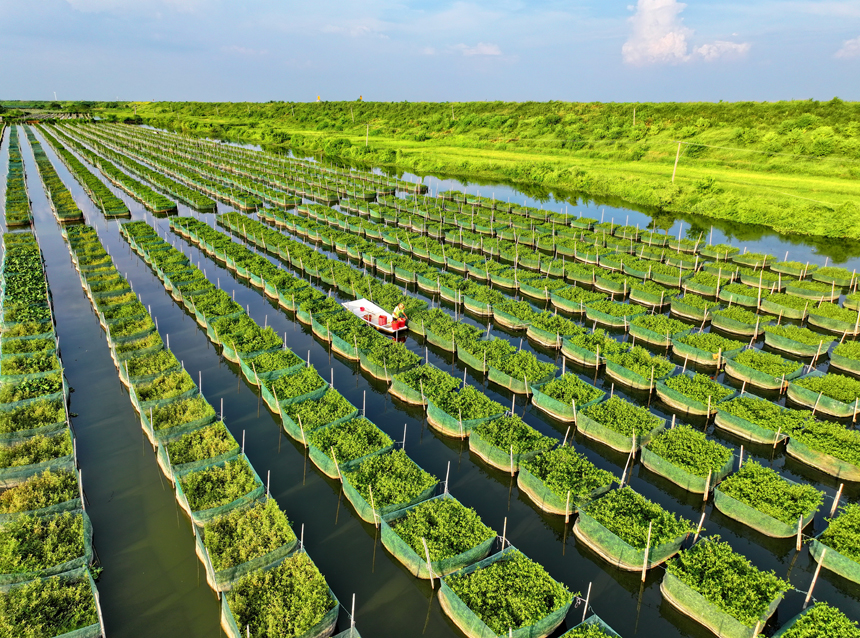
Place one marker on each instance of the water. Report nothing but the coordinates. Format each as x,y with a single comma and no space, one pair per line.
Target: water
152,584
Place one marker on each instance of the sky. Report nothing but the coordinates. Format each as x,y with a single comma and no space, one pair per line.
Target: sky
390,50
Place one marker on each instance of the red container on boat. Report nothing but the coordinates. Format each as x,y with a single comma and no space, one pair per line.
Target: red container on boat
383,320
397,324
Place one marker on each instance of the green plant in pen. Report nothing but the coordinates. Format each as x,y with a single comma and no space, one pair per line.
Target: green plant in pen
47,607
727,580
766,491
294,385
847,349
36,449
831,385
642,362
31,388
393,477
205,443
563,469
736,313
448,527
660,324
690,450
288,600
511,593
246,533
710,342
823,620
767,363
43,362
843,532
699,387
32,415
32,543
470,403
314,413
766,414
524,365
570,388
349,440
512,433
629,515
165,386
217,485
430,380
39,491
623,417
833,439
801,335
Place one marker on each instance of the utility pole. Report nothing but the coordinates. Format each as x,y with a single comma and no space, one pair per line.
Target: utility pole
677,157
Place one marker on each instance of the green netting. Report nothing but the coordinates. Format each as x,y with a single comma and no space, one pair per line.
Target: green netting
699,356
520,386
223,579
615,551
277,405
821,403
593,620
406,393
784,344
15,475
694,605
296,431
417,565
785,312
257,379
683,403
834,561
367,513
648,298
202,516
473,361
824,462
335,470
554,407
607,319
376,370
544,337
689,482
629,378
580,355
471,625
573,307
477,307
655,338
844,363
71,565
502,459
744,429
726,324
444,342
322,629
509,320
453,426
171,470
752,517
594,430
549,501
344,348
755,377
834,325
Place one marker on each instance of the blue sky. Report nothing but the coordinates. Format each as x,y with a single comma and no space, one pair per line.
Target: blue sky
388,50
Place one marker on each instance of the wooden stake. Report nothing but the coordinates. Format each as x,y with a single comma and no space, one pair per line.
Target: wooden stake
836,500
647,548
707,486
587,600
699,528
798,545
429,566
814,578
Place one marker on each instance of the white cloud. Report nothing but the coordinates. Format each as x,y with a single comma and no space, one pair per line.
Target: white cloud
135,7
721,48
482,48
659,36
428,51
850,49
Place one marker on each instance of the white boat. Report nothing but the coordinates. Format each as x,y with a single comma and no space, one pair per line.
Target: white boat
373,315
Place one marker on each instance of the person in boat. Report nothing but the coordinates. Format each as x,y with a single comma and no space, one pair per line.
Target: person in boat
400,313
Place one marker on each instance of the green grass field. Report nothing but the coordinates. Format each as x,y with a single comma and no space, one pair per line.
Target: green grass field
792,166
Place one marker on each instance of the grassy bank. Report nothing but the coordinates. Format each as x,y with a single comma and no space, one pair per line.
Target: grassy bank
792,166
